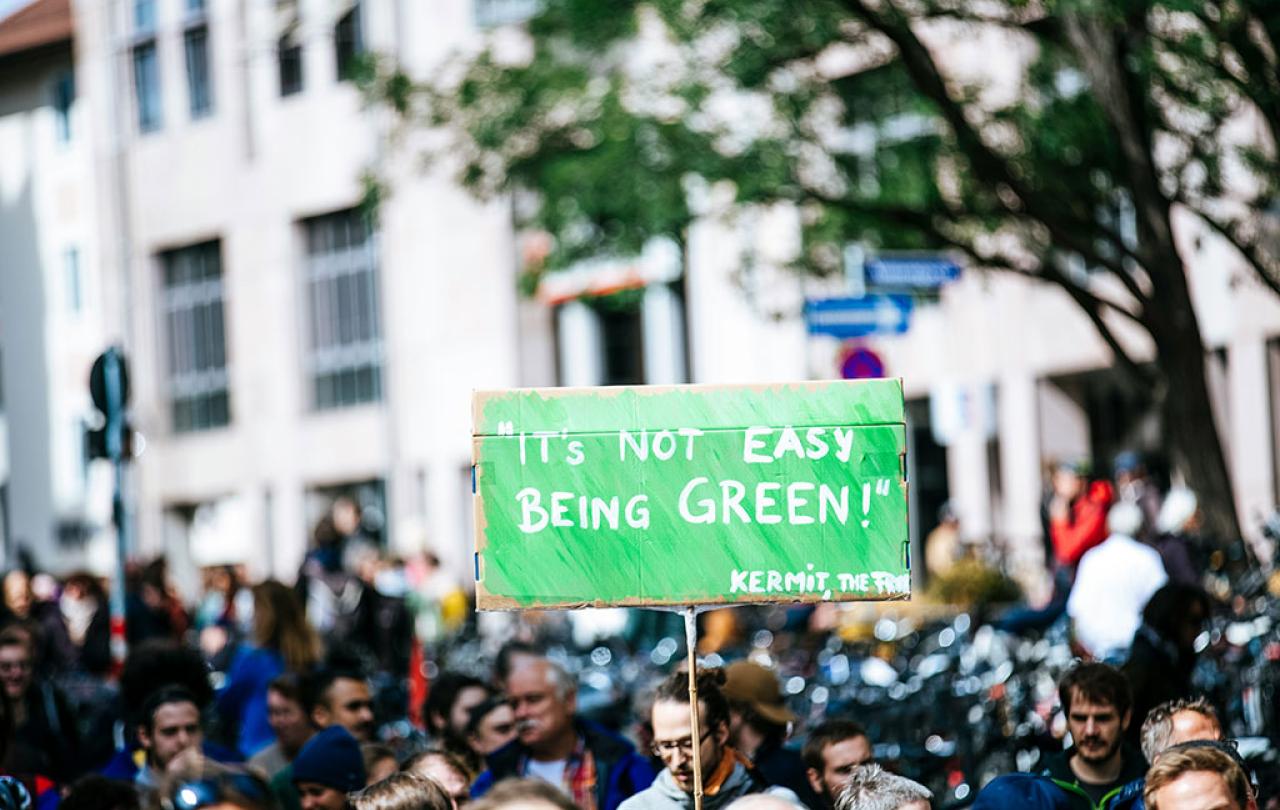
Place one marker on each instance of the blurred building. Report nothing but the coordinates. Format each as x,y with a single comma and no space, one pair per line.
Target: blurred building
52,317
285,350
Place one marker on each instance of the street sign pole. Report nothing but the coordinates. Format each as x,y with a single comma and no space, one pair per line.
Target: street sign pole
115,427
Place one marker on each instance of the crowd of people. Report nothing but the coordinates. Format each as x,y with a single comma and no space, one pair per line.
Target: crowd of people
274,697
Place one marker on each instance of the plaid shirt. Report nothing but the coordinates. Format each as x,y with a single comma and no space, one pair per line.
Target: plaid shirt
579,781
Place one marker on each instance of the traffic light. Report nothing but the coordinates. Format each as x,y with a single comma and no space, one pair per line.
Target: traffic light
109,389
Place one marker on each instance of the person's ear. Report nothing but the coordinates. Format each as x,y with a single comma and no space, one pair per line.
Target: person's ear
815,780
1124,722
320,717
144,739
722,733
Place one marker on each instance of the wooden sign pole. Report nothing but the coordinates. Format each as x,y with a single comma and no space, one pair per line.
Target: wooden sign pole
691,641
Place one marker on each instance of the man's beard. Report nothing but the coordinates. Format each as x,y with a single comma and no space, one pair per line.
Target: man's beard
1095,759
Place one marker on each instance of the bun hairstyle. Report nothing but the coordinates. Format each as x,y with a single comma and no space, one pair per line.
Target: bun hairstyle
710,683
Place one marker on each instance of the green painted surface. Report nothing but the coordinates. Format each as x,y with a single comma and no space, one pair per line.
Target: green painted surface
691,495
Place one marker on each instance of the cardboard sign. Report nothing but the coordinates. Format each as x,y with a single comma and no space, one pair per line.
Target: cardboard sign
680,495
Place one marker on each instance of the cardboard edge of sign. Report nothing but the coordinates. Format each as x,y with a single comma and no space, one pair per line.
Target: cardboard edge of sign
480,397
486,601
490,602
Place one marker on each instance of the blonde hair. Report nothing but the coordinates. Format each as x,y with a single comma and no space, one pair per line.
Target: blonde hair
1179,760
402,791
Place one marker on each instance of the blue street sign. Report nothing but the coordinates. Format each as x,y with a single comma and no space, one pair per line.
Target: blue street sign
917,272
858,317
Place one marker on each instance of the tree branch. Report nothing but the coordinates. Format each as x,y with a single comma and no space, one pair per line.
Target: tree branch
986,162
1248,250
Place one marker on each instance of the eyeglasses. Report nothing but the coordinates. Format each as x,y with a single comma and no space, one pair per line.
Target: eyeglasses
668,748
199,793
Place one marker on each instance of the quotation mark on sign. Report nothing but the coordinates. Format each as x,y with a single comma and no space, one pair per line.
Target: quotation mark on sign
882,488
506,428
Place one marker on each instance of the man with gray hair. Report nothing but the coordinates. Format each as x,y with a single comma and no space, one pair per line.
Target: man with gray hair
1178,721
589,764
873,788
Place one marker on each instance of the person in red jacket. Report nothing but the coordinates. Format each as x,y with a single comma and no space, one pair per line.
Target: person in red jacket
1077,513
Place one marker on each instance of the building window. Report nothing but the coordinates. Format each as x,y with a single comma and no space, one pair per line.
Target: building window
146,85
199,82
144,16
289,55
71,265
194,335
345,339
64,94
622,338
348,41
493,13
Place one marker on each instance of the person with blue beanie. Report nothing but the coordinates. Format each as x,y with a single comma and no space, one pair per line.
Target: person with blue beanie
327,768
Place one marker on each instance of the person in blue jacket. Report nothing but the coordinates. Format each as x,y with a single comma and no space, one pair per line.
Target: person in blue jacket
282,641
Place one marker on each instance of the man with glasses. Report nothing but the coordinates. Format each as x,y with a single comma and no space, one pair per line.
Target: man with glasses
592,766
726,774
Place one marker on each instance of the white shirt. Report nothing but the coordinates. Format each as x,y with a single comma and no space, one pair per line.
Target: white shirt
552,772
1114,582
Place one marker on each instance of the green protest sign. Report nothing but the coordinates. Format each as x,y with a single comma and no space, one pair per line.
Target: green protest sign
687,495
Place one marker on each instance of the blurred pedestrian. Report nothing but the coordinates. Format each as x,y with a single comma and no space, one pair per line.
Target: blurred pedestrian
1098,705
1023,791
95,792
402,791
379,762
445,768
51,649
43,717
1134,485
1077,512
332,698
1113,584
942,547
170,726
85,613
1178,721
1176,526
523,794
595,767
194,783
490,725
327,768
447,712
832,751
726,774
1163,655
759,723
282,641
873,788
289,722
1167,725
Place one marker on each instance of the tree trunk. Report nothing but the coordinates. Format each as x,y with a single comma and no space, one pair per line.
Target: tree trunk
1187,408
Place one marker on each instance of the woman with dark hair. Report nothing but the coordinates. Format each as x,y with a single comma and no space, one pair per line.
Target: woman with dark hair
1163,654
282,641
